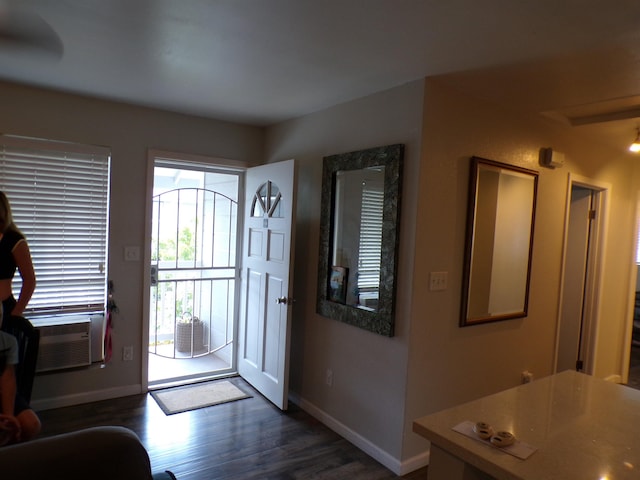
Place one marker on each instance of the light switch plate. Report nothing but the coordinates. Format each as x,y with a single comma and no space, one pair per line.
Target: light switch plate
438,281
131,254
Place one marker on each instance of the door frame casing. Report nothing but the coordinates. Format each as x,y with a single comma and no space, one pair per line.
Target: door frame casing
633,281
183,158
594,277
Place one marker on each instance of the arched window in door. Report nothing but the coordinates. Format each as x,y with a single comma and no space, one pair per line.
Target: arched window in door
267,201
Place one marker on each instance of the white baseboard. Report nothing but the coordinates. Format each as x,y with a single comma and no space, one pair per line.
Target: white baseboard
414,463
395,465
85,397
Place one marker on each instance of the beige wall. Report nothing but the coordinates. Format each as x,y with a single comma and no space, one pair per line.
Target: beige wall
380,384
445,364
369,370
129,132
449,365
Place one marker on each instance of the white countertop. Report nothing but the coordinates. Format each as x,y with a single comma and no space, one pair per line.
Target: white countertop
583,428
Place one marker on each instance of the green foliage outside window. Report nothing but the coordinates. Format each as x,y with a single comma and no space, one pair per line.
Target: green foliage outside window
165,250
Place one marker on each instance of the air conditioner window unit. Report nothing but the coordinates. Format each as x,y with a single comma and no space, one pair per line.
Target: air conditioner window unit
65,342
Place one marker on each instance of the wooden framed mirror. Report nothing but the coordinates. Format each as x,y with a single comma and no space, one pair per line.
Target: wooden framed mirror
499,241
359,228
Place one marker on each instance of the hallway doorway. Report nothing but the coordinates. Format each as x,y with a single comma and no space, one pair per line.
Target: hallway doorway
579,312
194,272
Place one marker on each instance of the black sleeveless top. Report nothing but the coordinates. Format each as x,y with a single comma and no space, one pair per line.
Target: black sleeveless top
7,263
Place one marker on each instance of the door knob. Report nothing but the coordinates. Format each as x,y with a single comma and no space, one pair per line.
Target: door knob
285,301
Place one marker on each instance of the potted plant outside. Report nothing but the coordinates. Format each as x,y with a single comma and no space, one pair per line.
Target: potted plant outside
188,329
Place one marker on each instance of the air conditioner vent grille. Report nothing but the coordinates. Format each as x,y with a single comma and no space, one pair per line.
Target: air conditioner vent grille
69,329
64,344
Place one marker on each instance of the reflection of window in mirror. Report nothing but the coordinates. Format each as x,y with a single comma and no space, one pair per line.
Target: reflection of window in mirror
357,232
370,244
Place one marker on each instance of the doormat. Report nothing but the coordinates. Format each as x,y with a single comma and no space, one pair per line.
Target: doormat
199,395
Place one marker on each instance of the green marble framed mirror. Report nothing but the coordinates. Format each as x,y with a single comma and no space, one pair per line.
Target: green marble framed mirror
359,230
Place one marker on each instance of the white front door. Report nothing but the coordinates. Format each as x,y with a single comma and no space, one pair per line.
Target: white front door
265,313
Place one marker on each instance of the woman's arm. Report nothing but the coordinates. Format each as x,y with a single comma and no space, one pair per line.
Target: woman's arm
22,256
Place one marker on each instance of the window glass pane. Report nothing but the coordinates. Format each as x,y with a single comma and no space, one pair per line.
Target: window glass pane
259,204
267,201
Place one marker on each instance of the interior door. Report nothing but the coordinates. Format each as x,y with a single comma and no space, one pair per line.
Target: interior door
572,316
265,313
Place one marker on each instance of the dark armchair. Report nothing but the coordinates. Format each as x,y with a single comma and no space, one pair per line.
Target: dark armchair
28,343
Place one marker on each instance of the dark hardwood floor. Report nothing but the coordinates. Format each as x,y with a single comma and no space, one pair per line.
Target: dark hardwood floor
246,439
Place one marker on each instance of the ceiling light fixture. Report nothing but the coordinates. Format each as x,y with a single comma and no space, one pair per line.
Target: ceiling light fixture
635,146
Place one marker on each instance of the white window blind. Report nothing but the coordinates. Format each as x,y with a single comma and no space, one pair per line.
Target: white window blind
370,244
59,198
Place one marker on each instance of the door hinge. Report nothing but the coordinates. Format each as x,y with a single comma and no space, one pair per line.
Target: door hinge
592,214
579,365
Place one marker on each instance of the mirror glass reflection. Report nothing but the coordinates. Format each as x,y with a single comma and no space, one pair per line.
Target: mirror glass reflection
357,237
359,227
499,242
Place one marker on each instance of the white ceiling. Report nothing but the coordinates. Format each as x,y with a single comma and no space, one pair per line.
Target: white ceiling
264,61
